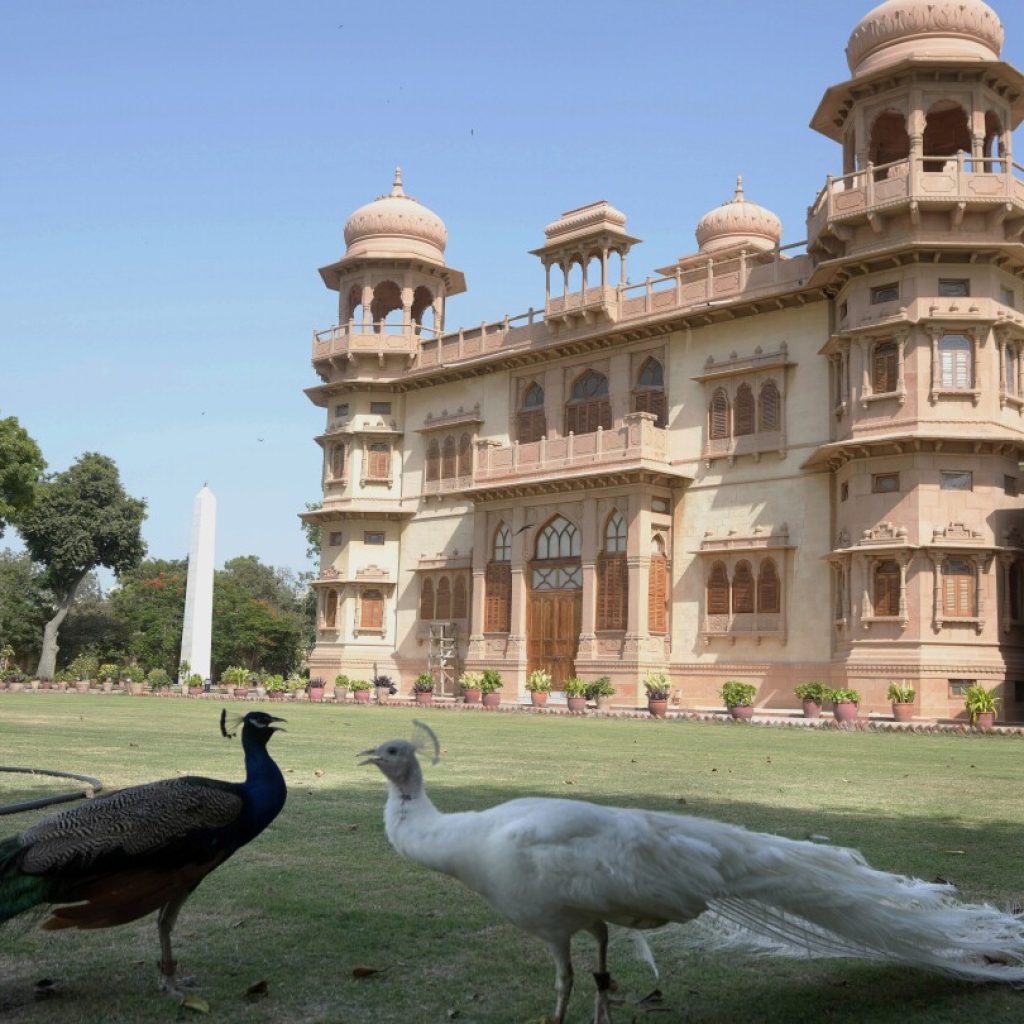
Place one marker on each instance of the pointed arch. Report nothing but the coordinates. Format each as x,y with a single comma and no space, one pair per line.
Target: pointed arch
459,602
498,583
502,548
588,407
443,599
718,416
649,393
433,467
770,411
718,590
449,458
426,599
531,423
615,534
613,575
558,539
769,593
465,456
657,590
743,411
743,589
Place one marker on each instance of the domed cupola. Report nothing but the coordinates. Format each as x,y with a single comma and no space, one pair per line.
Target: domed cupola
395,225
945,30
738,222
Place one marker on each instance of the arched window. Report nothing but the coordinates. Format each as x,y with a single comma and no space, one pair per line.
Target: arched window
531,424
884,368
426,599
771,408
613,576
769,593
433,469
945,133
657,590
889,140
649,395
386,307
448,458
718,590
589,407
443,607
743,411
331,609
498,584
465,456
354,305
887,588
459,603
955,362
371,610
378,461
743,589
338,462
559,542
422,300
718,416
559,539
958,588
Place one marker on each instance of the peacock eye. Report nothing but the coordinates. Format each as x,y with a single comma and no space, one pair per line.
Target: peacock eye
392,750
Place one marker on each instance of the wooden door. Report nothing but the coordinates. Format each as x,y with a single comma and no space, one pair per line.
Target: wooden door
553,633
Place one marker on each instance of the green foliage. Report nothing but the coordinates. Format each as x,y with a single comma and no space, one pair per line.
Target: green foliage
575,687
85,666
21,464
195,681
842,696
657,686
294,682
108,672
358,685
490,680
471,680
315,684
159,679
341,682
539,681
65,675
236,675
150,607
424,683
901,692
738,695
6,654
978,700
134,674
312,532
601,687
815,690
25,604
274,684
92,627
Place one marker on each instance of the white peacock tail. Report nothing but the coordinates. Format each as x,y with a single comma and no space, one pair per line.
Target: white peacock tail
425,739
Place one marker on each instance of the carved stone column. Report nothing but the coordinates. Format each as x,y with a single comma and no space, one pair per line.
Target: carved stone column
521,541
588,550
477,646
367,307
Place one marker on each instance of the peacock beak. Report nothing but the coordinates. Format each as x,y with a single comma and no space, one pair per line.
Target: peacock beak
277,728
370,756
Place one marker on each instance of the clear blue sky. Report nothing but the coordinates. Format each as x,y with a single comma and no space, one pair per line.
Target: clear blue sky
173,174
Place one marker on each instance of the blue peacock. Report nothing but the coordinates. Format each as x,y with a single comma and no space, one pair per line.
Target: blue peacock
145,848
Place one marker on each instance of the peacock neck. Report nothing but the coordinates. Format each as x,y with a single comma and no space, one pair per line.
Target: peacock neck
414,825
263,779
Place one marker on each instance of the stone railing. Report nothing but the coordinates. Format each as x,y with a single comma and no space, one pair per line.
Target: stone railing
637,440
369,339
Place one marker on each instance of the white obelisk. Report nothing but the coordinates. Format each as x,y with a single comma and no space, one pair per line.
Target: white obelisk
197,632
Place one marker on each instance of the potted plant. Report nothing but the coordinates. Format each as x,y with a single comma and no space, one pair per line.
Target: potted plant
845,704
295,684
108,674
981,705
159,682
423,688
812,695
236,678
601,691
63,678
360,690
195,684
184,673
384,686
315,689
576,694
275,687
739,698
470,683
134,677
16,680
490,684
902,696
341,687
656,685
539,685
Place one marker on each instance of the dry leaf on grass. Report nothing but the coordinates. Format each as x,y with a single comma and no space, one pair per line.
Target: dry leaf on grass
258,988
197,1003
365,972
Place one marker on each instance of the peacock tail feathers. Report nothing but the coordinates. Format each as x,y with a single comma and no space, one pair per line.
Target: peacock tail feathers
19,892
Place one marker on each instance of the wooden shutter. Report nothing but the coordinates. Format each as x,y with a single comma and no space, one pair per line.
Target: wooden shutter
769,593
884,369
718,590
433,461
498,598
651,400
379,467
448,458
443,605
743,590
586,417
459,603
719,416
426,599
958,588
744,411
771,403
657,596
372,616
887,589
331,609
338,462
465,456
531,426
612,592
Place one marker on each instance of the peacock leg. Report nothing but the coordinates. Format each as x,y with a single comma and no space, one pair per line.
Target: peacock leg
170,981
563,977
602,1012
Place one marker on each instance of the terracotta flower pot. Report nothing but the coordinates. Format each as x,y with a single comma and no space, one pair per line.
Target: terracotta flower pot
902,712
424,698
273,695
538,698
845,712
576,703
15,687
984,720
658,708
491,700
45,684
742,712
361,696
135,689
812,709
81,685
241,691
471,696
317,693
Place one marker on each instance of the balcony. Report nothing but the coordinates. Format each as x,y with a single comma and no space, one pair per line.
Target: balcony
959,185
635,449
344,342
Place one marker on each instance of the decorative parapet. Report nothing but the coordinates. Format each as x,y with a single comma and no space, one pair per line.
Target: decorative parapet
446,420
884,535
956,534
350,340
763,538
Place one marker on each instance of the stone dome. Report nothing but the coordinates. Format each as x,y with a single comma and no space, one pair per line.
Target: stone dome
396,225
738,222
967,30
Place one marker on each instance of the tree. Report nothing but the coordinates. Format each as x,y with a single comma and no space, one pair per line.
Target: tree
21,463
24,606
82,519
150,608
92,626
312,533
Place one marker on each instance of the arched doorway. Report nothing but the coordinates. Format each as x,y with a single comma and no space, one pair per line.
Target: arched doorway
556,601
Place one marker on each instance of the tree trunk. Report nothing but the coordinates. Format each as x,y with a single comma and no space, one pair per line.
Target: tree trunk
48,658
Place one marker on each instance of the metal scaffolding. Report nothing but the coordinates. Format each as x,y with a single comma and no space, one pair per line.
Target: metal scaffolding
442,656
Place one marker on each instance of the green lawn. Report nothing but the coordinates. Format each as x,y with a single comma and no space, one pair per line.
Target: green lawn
322,892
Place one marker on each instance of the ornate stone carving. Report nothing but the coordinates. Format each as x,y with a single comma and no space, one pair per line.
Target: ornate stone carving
396,214
883,533
956,533
738,222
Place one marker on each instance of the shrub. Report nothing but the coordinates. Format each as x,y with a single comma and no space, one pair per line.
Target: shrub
85,666
65,675
978,700
274,684
108,673
576,687
601,687
358,685
656,685
539,681
158,679
490,680
316,683
235,675
134,674
815,690
901,692
471,680
295,682
341,682
738,695
424,683
843,696
195,681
